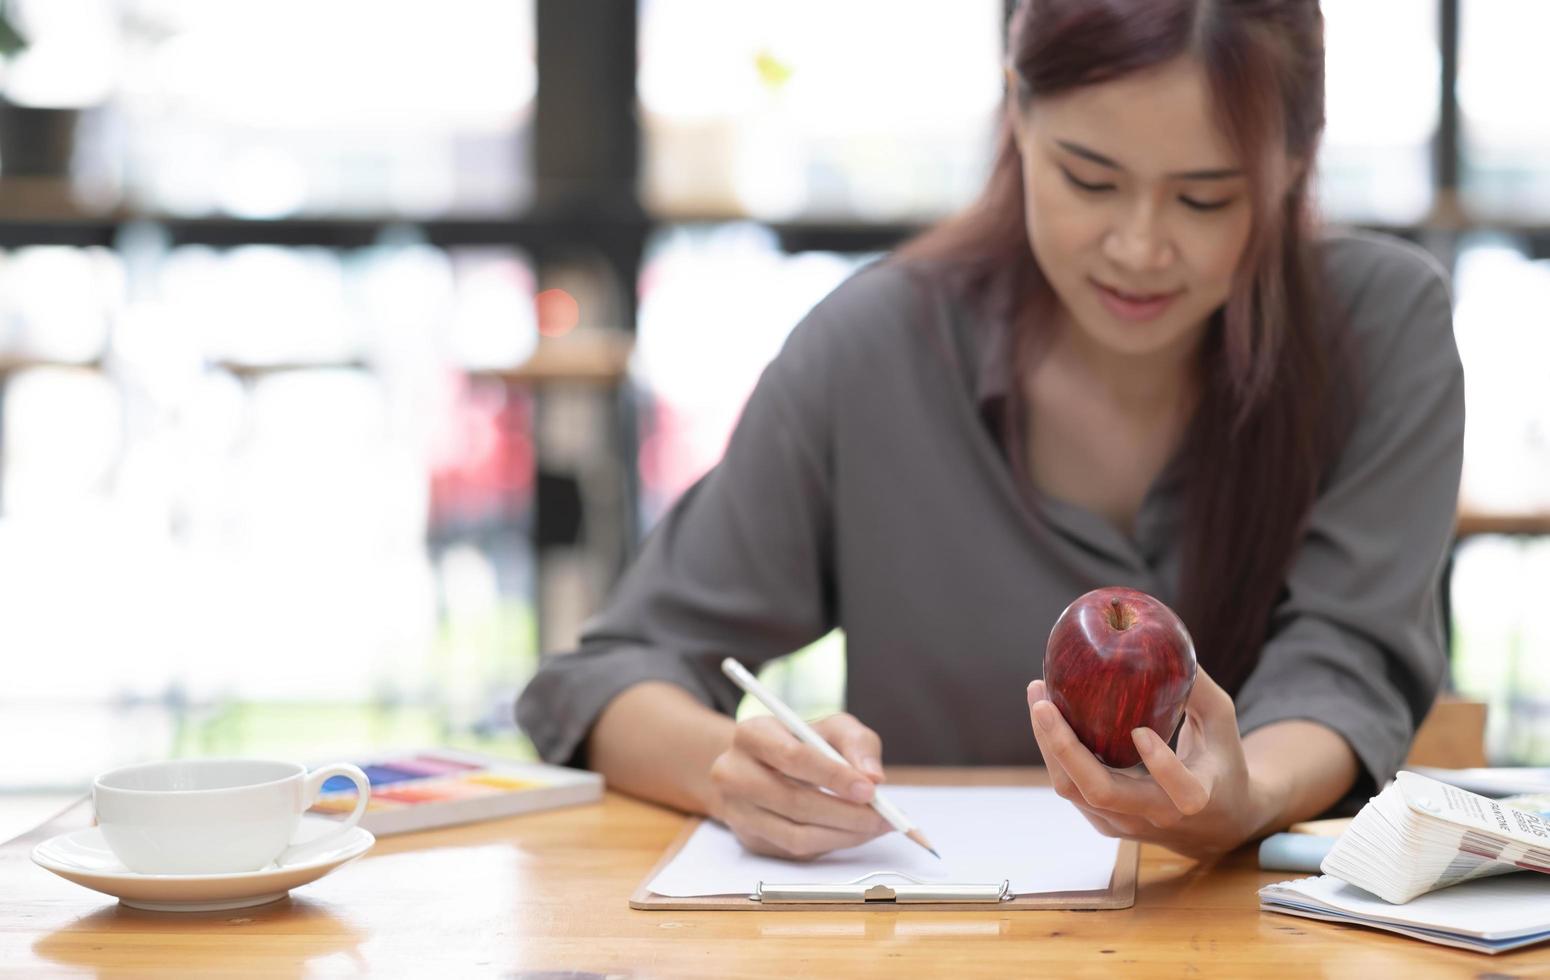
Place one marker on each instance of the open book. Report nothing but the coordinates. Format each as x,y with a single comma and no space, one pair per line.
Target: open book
1492,915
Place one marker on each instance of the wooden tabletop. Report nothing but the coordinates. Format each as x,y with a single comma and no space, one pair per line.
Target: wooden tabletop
545,895
1524,523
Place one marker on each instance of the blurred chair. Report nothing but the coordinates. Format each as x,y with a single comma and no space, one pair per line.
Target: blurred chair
1451,736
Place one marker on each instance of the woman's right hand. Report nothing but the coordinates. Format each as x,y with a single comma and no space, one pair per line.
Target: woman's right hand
767,788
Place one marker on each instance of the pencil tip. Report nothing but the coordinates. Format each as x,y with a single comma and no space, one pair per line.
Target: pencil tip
919,838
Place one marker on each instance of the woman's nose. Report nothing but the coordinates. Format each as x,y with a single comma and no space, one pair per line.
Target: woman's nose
1139,242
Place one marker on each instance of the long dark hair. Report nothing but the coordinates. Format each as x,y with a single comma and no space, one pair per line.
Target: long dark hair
1275,398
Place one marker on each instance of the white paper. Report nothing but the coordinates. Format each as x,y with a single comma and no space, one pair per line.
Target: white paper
1029,836
1492,910
1492,781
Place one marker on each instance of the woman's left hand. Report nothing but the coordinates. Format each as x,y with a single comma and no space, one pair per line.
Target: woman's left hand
1201,801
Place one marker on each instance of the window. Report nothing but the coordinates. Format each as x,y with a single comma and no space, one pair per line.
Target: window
282,502
1506,131
1382,73
287,107
815,109
1498,582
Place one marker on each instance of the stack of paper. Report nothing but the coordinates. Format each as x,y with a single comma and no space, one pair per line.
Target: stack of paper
1489,916
1420,835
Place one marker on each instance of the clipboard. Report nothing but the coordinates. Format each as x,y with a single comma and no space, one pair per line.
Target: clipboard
875,891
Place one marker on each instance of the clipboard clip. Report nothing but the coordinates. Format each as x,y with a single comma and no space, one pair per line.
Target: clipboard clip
857,890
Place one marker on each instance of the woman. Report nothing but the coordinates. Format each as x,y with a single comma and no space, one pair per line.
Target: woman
1131,362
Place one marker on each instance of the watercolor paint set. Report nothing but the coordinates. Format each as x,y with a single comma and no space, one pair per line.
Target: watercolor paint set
421,789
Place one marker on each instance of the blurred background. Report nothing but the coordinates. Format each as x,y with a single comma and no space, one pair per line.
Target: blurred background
348,347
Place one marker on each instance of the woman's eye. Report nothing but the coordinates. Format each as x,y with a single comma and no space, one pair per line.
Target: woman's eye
1205,205
1084,185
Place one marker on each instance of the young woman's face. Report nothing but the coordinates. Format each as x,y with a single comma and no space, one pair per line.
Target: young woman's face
1138,207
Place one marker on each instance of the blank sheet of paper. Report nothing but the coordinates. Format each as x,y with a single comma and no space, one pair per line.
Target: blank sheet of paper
986,834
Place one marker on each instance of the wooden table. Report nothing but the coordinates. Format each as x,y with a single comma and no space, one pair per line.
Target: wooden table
544,895
1473,521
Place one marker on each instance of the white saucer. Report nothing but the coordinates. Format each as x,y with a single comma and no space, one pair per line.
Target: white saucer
82,856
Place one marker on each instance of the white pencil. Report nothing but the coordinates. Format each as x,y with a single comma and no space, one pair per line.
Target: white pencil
803,731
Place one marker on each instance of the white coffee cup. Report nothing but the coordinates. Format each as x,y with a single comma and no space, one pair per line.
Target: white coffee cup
213,816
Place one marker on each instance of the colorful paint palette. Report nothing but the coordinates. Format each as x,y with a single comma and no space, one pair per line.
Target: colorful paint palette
439,787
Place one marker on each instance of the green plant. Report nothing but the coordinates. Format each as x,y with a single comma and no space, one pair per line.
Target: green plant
11,40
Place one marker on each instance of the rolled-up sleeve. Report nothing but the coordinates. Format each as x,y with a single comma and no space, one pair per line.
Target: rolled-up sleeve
739,566
1357,641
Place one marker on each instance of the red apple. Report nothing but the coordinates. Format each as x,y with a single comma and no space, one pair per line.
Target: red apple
1118,660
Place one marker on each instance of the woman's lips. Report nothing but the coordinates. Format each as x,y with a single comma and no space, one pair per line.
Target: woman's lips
1132,306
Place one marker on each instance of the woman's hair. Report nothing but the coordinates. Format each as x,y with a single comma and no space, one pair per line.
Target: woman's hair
1273,404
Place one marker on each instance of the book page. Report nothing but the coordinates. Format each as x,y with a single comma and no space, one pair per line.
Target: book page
1492,908
1028,836
1484,827
1466,809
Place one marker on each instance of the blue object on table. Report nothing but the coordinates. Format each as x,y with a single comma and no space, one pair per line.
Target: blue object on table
376,775
1293,852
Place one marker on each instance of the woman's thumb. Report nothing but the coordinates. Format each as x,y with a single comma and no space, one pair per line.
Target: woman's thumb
860,746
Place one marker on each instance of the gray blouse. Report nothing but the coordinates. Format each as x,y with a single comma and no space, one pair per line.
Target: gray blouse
863,488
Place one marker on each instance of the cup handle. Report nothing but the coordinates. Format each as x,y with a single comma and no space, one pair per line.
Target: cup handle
309,795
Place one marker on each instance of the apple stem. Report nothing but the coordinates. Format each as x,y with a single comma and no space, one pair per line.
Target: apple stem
1119,615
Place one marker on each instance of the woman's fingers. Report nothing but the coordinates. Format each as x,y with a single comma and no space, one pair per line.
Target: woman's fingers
1195,800
804,804
1077,775
1099,822
1096,782
860,746
1210,727
1115,824
766,832
1188,793
768,741
781,796
743,777
1059,780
